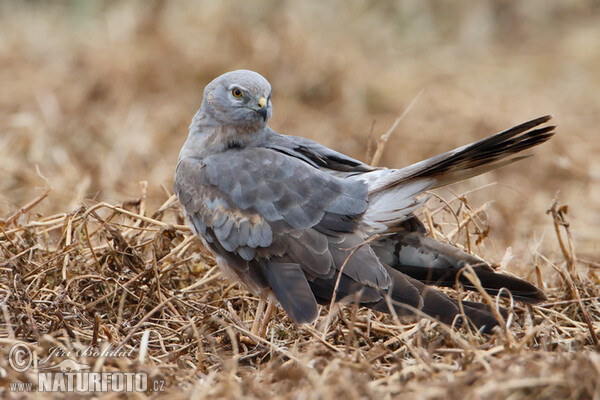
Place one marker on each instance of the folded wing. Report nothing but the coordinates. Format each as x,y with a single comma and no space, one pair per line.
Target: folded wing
393,194
280,222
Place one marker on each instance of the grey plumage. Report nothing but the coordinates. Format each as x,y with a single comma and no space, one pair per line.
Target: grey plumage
286,215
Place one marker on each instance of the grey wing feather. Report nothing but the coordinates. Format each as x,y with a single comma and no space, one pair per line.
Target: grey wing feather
280,188
274,213
316,154
294,215
393,193
292,290
470,160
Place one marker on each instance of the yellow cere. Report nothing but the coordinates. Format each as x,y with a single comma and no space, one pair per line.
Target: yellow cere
262,101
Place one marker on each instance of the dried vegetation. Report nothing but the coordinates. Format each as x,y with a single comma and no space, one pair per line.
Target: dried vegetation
96,98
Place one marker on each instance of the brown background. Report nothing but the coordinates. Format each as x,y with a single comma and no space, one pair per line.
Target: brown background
98,97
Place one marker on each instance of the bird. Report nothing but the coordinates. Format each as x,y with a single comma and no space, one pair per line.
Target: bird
297,222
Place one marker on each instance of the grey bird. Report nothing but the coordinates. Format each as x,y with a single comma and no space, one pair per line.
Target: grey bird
290,218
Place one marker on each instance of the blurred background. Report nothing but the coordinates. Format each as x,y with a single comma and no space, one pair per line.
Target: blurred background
98,95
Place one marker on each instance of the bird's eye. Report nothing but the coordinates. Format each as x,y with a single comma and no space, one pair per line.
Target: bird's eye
236,92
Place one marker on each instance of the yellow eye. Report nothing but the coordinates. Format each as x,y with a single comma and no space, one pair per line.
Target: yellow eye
236,92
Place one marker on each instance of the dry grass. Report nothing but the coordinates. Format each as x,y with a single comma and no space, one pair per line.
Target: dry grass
97,96
112,275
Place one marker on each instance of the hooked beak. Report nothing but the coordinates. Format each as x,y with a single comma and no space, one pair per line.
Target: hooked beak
262,108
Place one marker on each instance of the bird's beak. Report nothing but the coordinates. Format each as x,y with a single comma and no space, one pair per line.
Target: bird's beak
262,102
262,108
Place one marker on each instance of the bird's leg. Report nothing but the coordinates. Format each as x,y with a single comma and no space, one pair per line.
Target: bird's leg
258,315
264,323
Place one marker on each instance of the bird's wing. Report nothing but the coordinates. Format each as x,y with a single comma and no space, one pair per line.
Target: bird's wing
393,193
276,216
315,154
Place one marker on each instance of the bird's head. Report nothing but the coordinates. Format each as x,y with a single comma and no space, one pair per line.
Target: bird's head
239,99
